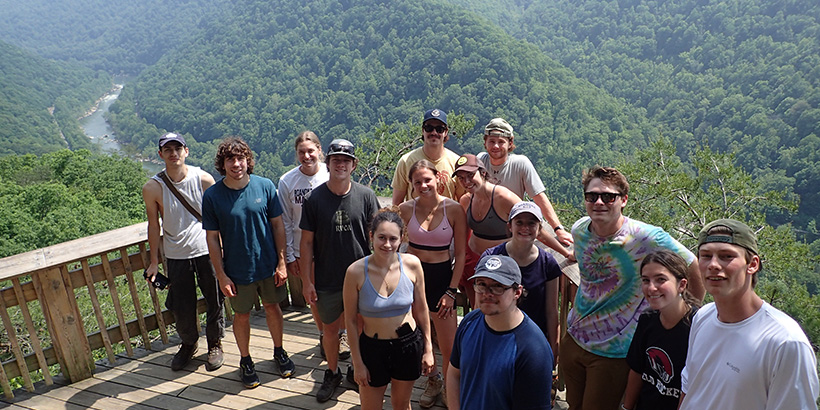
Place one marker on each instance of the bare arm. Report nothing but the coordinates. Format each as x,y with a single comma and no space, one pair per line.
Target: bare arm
398,195
152,195
279,240
633,390
696,287
305,259
453,387
458,221
552,218
354,277
207,180
215,253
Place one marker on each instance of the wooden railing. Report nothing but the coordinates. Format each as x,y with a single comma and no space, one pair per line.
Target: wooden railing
42,316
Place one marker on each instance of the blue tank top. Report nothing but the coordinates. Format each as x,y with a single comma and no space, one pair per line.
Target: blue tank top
373,304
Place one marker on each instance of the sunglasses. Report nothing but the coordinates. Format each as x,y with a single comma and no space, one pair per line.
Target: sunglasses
606,197
494,289
340,149
439,128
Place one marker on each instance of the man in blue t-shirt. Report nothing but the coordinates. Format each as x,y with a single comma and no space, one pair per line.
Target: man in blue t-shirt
246,243
500,358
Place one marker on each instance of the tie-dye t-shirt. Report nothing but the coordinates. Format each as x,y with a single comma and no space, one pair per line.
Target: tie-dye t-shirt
609,299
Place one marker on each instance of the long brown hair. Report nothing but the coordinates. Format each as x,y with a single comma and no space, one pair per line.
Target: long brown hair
677,266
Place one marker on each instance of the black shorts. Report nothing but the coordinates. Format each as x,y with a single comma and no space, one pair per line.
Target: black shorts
398,359
437,278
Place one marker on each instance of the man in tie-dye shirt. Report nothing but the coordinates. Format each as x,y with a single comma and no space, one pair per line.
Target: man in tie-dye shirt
609,248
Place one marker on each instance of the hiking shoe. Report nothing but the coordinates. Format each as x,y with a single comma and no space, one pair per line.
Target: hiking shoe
285,365
215,357
329,384
248,373
431,391
321,347
183,356
344,347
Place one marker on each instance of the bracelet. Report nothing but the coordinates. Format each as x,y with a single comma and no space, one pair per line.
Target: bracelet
623,408
450,294
454,290
558,228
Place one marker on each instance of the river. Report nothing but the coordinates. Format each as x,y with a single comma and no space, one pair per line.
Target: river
99,131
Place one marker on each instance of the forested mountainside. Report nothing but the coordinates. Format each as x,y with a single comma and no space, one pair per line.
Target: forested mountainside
118,36
40,101
274,68
740,76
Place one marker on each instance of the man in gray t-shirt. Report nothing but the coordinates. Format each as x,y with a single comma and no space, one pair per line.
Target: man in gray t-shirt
516,172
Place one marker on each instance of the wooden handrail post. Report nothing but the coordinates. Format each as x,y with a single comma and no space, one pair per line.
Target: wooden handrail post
68,336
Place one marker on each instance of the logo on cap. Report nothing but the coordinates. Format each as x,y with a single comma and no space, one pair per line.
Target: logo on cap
435,113
461,161
493,263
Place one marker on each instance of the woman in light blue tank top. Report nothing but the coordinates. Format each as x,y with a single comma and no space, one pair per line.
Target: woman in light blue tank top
387,289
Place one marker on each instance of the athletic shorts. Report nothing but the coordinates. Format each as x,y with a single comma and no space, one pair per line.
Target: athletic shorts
398,359
330,305
437,278
266,289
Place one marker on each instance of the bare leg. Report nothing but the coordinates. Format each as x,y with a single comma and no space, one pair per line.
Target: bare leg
276,323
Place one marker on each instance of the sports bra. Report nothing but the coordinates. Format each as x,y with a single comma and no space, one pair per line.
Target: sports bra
373,304
492,227
437,239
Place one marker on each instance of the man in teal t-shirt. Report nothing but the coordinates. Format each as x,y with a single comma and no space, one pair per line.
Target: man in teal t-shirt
246,243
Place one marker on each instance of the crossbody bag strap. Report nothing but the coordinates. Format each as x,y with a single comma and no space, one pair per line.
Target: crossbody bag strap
179,196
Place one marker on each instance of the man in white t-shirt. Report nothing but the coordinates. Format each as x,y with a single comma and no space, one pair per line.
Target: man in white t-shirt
743,353
516,172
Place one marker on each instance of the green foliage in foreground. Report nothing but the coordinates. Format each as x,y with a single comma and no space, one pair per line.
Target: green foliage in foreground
65,195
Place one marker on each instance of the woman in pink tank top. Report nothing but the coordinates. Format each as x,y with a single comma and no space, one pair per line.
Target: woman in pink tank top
434,222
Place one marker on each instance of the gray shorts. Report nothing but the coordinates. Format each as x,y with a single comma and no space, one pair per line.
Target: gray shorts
246,295
330,305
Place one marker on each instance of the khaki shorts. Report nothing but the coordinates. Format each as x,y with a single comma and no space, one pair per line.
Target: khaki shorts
247,295
330,305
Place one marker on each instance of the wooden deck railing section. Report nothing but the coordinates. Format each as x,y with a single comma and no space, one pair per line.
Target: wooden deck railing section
43,320
45,326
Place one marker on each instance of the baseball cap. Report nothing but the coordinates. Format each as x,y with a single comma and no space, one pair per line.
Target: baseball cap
435,114
171,136
740,234
499,127
341,146
500,268
528,207
469,163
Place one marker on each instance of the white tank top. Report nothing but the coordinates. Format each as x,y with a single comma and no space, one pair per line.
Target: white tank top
183,236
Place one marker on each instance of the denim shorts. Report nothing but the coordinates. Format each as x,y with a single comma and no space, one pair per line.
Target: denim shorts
398,359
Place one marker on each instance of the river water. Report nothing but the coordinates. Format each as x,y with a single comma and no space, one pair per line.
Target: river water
99,131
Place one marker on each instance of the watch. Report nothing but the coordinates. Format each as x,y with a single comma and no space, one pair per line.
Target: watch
558,228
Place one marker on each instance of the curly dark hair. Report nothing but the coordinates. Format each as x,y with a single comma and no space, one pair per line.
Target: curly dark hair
233,147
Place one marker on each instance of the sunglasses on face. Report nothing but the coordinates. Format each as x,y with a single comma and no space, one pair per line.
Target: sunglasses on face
606,197
439,128
494,289
340,148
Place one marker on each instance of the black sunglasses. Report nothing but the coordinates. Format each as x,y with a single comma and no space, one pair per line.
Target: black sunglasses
341,149
606,197
439,128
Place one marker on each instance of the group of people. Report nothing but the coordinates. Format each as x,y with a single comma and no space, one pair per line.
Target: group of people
470,223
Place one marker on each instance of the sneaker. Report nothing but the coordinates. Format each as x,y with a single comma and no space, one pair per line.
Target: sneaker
431,391
351,379
215,357
285,365
321,347
183,356
248,373
329,384
344,347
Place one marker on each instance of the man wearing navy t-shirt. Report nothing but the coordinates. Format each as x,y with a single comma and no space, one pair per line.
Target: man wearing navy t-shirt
500,358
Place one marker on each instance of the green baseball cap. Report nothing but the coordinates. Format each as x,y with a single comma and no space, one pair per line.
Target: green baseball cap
740,235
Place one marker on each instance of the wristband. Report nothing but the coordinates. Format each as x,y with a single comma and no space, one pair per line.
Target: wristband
454,290
558,228
450,294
